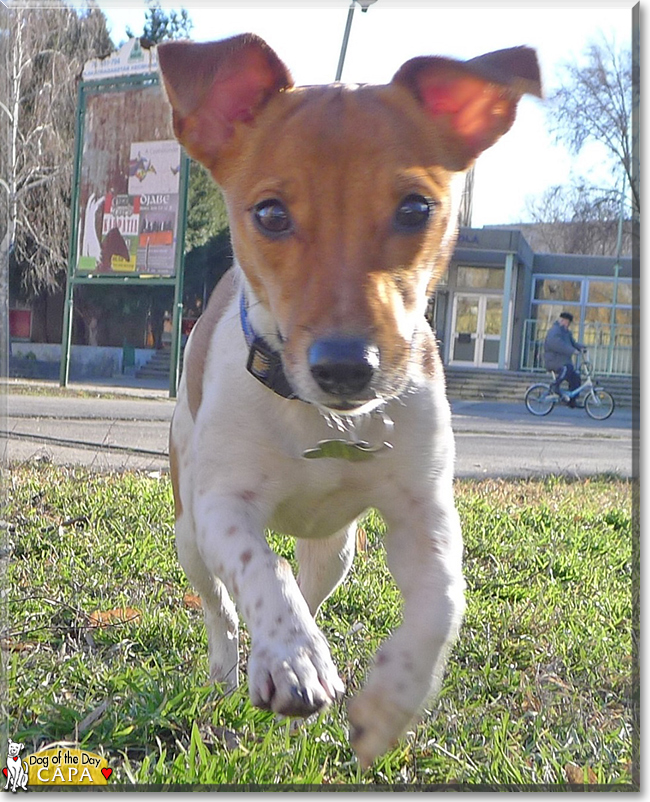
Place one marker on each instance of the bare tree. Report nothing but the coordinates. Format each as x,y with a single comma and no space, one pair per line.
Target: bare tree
42,53
594,104
576,218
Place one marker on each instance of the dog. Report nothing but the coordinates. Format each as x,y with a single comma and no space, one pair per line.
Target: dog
312,387
16,771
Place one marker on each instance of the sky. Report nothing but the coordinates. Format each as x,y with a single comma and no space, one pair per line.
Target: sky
307,35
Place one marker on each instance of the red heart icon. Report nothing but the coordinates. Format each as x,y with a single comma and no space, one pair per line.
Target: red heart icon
14,758
4,771
107,773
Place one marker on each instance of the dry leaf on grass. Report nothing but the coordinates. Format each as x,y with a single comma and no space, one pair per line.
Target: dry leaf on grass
192,601
120,615
10,645
362,539
577,776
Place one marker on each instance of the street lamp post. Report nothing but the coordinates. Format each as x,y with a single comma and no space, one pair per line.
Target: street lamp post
365,5
617,269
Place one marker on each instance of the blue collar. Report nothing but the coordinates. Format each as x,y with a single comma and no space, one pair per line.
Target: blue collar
263,362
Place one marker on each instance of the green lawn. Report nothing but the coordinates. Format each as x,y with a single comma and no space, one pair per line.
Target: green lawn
103,645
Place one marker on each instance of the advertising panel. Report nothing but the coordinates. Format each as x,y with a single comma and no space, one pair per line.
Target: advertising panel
129,188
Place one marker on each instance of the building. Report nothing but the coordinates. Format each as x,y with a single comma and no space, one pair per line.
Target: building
499,298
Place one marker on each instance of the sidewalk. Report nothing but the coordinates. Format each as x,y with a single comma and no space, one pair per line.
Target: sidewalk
120,385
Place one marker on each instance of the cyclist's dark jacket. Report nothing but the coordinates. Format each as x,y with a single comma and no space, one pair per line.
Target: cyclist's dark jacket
559,347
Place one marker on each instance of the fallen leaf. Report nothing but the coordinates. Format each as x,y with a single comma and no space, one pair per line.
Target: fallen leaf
120,615
574,774
192,601
577,776
9,645
362,539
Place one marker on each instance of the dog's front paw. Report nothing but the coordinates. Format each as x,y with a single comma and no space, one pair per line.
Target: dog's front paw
375,724
294,677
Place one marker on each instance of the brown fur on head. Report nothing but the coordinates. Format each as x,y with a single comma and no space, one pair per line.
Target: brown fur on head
366,176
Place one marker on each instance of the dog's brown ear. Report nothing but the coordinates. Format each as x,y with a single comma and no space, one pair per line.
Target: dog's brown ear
473,101
213,85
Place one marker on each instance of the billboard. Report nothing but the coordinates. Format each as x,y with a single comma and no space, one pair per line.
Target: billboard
129,185
129,191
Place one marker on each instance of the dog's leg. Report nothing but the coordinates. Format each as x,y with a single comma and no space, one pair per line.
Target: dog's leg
424,551
290,670
221,621
222,626
324,564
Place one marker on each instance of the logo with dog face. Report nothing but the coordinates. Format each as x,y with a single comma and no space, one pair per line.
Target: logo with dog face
58,765
16,770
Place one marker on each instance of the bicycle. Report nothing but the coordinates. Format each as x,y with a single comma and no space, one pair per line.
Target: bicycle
541,399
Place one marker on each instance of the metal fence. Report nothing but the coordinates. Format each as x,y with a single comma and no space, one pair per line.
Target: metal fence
610,347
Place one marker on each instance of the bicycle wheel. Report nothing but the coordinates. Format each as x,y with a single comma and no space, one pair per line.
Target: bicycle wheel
599,404
539,399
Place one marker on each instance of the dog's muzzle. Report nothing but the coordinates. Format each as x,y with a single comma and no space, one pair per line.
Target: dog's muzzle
344,367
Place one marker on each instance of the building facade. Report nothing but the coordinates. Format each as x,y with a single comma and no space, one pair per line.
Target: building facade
493,308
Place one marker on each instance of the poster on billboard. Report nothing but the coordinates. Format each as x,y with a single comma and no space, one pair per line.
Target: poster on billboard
129,188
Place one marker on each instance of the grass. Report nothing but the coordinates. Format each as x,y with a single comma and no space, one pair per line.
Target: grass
103,645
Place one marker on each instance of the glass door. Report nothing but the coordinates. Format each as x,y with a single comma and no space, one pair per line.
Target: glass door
465,330
476,330
490,333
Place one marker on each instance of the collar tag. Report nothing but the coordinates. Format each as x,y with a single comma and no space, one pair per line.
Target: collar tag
344,449
357,447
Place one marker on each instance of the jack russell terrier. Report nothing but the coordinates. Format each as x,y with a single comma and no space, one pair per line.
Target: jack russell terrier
312,387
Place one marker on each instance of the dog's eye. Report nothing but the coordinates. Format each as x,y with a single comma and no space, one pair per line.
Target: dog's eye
413,213
272,218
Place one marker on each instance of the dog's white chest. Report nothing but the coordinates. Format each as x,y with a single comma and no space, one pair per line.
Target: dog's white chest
316,512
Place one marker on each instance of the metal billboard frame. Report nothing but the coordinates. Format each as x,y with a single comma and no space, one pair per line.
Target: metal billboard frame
142,80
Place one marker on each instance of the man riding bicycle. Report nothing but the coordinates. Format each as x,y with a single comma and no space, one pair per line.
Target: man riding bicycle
559,347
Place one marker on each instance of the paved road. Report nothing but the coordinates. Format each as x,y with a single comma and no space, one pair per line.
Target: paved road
497,439
492,439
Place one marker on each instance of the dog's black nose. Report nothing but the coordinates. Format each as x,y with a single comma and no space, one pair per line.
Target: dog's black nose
343,366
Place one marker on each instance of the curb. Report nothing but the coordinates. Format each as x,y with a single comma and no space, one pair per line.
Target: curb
105,388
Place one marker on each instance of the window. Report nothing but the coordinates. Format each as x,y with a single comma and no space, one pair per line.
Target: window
603,315
602,292
479,278
591,300
598,316
557,289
